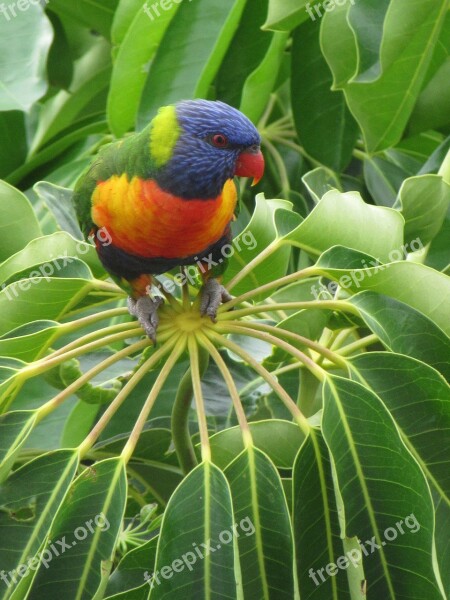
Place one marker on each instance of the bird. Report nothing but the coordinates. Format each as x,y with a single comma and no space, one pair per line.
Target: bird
165,197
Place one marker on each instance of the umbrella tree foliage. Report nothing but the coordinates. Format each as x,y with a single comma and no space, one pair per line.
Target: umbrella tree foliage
296,448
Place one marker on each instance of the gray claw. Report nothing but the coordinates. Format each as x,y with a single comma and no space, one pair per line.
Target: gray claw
212,296
146,311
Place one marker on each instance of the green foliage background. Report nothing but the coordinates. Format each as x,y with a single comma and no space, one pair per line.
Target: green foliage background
323,413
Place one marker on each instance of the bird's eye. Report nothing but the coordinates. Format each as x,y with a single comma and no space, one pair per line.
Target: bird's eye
219,140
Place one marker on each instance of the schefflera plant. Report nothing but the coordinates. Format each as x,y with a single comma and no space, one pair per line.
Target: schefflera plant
306,491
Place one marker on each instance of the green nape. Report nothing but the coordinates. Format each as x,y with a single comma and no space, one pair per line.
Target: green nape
164,133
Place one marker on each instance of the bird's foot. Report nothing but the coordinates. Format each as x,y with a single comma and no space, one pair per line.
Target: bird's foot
212,296
145,309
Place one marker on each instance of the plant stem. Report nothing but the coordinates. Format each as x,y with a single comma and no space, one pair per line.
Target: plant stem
177,351
267,337
293,277
282,171
199,402
278,332
228,378
358,345
272,247
52,404
92,437
259,308
272,382
180,420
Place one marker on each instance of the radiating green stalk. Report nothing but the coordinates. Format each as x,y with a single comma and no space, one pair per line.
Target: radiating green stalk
339,305
296,413
278,332
180,418
89,337
52,404
229,381
199,402
292,278
267,337
177,351
270,249
282,171
358,345
93,435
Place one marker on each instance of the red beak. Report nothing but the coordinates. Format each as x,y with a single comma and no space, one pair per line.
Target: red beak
250,164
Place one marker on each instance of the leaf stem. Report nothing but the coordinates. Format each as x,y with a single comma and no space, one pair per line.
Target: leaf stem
229,381
298,416
92,437
178,349
270,249
199,401
259,308
358,345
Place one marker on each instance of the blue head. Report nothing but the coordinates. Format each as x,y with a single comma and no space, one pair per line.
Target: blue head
200,144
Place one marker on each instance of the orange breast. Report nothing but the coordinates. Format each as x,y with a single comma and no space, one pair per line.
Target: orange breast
144,220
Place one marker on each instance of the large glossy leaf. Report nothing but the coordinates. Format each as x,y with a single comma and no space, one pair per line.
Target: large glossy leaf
278,439
316,524
405,330
345,219
18,224
25,39
131,65
381,485
324,124
96,15
188,60
195,557
422,218
398,280
400,81
29,500
266,553
15,427
284,15
89,519
130,572
417,397
259,233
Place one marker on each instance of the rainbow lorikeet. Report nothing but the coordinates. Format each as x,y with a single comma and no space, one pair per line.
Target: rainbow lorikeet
166,197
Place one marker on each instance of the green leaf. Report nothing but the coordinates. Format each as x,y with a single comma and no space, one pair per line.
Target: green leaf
383,179
187,61
284,15
320,181
130,572
248,41
29,341
404,330
404,58
422,218
23,302
90,519
96,15
194,555
398,280
266,552
315,522
18,224
25,39
381,485
59,202
345,219
29,500
13,150
259,84
259,233
131,65
325,127
123,17
278,439
416,396
15,427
